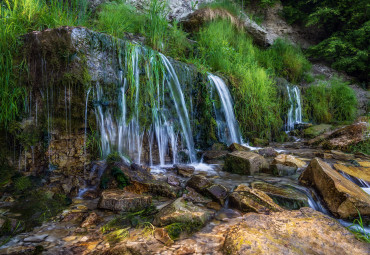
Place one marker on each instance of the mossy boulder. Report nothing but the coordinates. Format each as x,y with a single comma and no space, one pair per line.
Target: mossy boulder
284,196
285,165
237,147
304,231
342,197
246,200
316,130
181,211
243,162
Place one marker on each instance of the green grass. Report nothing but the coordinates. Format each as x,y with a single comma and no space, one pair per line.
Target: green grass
358,229
18,17
330,101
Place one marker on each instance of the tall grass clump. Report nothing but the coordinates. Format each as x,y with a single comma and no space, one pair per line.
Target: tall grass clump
18,17
286,60
118,17
330,101
224,48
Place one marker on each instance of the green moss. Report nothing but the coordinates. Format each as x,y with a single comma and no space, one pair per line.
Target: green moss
175,230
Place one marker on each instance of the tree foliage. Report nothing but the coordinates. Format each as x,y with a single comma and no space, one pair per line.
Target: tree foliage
347,31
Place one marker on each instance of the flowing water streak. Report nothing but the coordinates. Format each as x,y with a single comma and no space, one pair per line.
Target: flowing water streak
227,107
295,110
85,134
180,105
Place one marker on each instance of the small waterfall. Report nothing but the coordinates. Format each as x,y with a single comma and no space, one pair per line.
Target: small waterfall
295,110
227,109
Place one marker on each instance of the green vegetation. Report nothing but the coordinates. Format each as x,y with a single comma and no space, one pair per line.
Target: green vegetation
330,101
174,230
358,229
19,17
345,31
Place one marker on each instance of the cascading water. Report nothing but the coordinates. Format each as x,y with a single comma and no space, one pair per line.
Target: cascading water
146,116
228,111
295,110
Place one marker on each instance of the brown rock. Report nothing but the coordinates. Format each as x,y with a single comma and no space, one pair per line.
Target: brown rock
305,231
194,196
214,206
184,170
288,160
184,212
342,156
268,152
91,219
342,196
243,162
214,156
172,180
358,172
161,235
237,147
120,200
344,137
246,199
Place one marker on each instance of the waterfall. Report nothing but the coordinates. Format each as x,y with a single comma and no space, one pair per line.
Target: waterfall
146,116
295,110
227,109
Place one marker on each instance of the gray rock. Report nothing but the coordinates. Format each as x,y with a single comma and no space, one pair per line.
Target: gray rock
243,162
35,238
119,200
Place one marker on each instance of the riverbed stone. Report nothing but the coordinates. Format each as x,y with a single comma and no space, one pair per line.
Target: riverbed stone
268,152
181,211
342,197
184,170
246,200
201,184
237,147
121,200
339,155
304,231
214,156
173,180
193,196
243,162
288,160
284,196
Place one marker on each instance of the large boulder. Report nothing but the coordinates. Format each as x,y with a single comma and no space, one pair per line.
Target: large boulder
243,162
207,188
181,211
184,170
316,130
342,196
305,231
213,156
283,196
120,200
344,137
142,181
246,199
268,152
360,172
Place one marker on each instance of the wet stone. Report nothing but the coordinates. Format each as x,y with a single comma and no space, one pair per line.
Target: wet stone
119,200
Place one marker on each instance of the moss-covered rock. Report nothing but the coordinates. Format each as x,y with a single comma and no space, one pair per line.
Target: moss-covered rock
237,147
181,211
316,130
283,196
305,231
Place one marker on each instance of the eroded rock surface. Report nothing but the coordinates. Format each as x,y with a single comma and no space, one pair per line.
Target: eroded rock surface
243,162
120,200
342,196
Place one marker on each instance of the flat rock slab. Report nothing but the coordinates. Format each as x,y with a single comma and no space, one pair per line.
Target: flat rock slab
305,231
362,173
120,200
246,199
342,196
244,162
283,196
